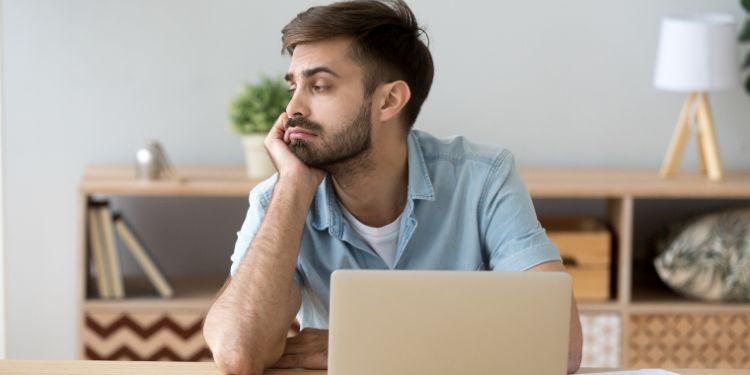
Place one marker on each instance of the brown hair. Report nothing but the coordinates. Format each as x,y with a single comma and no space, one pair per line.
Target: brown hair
386,41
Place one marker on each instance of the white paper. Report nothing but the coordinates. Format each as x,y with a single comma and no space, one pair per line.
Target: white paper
645,371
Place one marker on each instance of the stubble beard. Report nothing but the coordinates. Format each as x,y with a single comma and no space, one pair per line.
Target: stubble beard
344,152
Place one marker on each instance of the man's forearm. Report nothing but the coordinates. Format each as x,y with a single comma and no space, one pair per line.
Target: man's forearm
252,315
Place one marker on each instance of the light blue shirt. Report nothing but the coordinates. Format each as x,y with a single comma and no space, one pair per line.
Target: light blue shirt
467,209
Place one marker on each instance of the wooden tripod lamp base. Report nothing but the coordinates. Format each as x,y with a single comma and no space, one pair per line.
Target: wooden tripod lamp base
697,111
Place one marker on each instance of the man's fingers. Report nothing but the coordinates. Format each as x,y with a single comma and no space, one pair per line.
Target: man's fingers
281,120
277,131
309,349
312,331
297,344
315,361
293,346
308,340
289,361
295,327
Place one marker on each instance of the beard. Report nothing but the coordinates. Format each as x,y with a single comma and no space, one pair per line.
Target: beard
345,145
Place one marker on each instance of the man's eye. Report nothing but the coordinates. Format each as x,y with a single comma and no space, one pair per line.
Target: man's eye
319,88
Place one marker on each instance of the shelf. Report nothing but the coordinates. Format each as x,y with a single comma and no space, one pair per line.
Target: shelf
598,307
541,183
580,183
196,181
686,307
663,300
194,293
199,293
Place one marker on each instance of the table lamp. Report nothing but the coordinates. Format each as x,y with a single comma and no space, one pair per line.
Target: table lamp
696,54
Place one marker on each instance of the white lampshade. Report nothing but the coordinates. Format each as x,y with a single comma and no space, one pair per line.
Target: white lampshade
698,53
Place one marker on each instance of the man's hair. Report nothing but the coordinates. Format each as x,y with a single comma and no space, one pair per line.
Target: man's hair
386,41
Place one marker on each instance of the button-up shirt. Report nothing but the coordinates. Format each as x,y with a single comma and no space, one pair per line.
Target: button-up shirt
466,209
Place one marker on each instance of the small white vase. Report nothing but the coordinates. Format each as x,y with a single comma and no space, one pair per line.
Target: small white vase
257,161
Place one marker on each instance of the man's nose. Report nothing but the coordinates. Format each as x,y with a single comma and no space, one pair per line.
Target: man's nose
297,106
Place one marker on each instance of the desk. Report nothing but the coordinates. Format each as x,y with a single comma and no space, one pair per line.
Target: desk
191,368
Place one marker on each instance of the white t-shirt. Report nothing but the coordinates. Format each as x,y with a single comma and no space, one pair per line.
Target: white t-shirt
383,240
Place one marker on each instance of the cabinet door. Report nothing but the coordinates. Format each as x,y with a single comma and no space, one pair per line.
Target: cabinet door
689,340
601,339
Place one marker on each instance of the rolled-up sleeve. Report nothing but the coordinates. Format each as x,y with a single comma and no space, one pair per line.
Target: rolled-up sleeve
253,220
514,239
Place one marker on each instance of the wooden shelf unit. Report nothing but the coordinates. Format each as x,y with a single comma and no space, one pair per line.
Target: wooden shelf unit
142,325
190,294
658,328
619,189
192,181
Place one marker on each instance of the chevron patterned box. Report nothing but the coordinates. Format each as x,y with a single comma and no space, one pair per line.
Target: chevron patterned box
144,336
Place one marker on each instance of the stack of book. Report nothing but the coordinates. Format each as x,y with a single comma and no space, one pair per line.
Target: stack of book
103,225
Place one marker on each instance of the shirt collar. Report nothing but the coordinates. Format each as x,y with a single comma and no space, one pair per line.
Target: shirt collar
420,185
326,212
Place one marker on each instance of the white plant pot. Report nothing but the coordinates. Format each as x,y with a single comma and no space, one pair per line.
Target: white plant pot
257,161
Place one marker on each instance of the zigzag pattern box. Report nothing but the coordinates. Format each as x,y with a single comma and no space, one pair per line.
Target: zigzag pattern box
145,336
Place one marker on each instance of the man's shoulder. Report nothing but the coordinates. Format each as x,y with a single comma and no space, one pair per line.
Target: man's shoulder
460,149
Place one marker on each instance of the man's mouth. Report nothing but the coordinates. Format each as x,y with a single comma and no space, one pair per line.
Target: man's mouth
297,133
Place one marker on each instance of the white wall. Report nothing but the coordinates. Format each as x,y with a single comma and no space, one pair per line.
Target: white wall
86,81
2,210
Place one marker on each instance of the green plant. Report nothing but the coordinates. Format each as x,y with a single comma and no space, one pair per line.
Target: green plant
745,37
257,106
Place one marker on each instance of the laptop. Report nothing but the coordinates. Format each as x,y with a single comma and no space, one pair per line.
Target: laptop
448,322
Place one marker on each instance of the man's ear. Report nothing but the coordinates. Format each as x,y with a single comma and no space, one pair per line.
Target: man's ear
394,96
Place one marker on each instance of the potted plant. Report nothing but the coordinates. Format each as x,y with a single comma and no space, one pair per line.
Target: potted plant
253,113
745,37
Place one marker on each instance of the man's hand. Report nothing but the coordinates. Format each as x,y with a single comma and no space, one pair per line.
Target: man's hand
309,349
288,164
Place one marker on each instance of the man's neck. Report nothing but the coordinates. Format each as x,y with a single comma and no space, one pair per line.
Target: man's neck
373,187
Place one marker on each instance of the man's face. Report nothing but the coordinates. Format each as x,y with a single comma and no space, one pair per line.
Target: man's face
331,120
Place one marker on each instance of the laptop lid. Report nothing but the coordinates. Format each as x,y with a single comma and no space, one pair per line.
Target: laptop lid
448,322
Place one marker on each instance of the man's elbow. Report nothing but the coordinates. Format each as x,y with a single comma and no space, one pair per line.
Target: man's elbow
230,363
228,354
235,352
231,358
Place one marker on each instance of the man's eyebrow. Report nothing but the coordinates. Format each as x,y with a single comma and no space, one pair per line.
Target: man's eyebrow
311,72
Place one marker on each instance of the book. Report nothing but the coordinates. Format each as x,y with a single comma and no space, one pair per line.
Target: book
142,255
110,249
97,251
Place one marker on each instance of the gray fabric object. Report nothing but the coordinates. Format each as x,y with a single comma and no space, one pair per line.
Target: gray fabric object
709,258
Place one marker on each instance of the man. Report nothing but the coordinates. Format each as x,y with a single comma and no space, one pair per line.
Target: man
358,188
